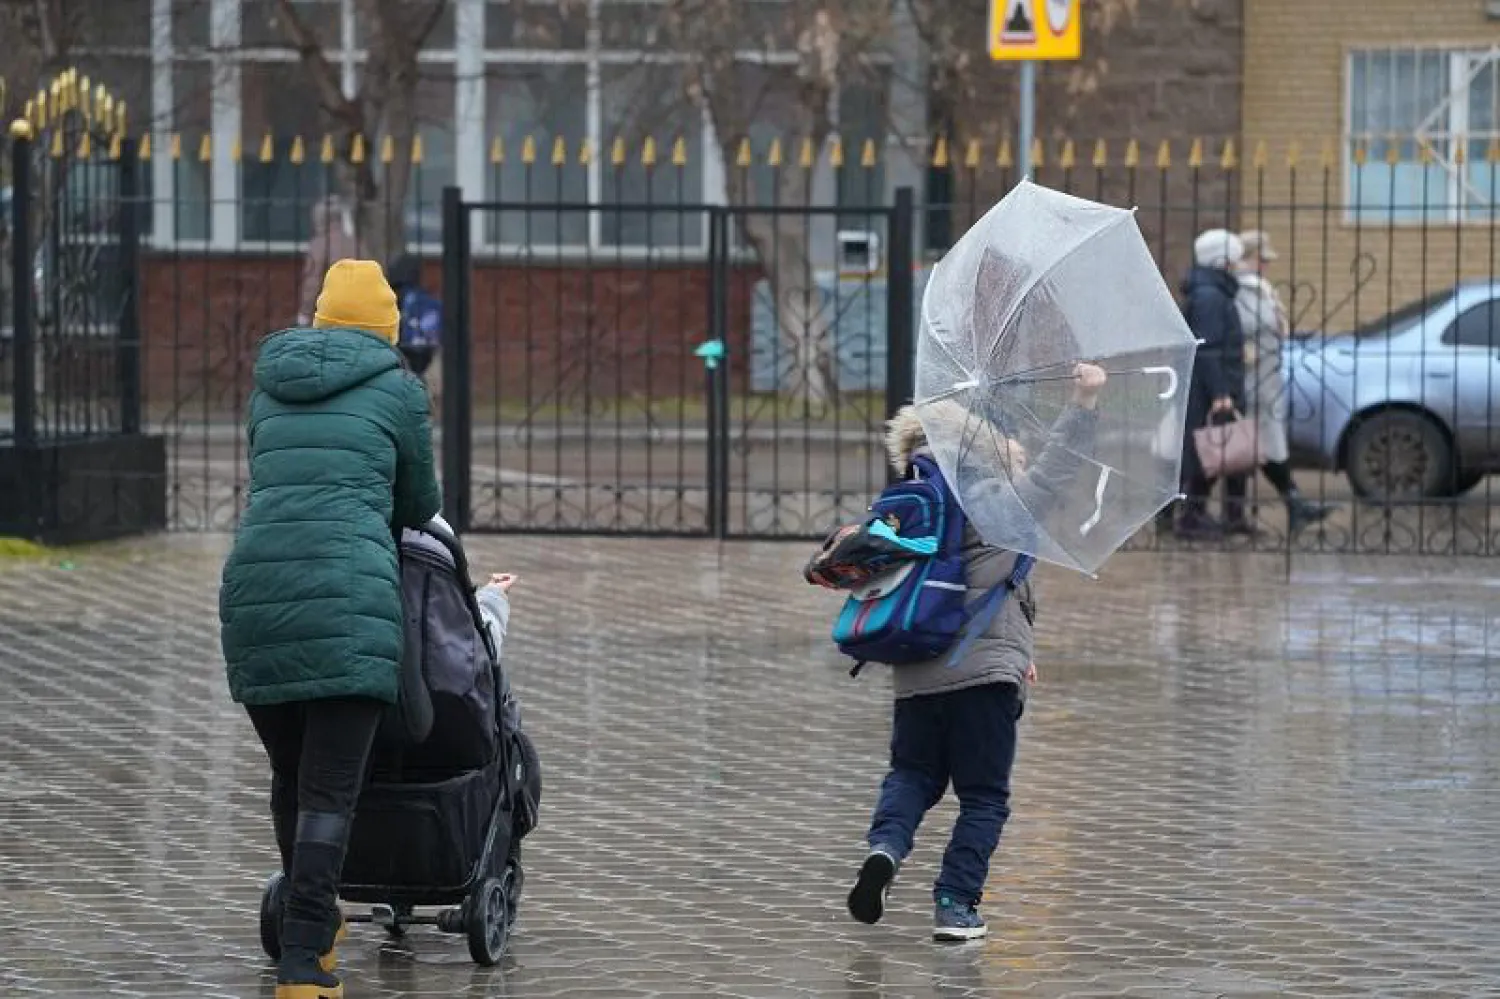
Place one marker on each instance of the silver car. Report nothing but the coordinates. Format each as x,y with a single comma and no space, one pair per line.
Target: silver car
1408,406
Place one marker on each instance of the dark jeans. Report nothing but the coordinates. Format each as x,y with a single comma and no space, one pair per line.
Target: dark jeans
319,752
966,737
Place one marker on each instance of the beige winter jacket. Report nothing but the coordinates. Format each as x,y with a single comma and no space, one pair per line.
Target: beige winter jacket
1004,652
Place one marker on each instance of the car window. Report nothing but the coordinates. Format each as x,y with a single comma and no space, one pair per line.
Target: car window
1403,318
1479,326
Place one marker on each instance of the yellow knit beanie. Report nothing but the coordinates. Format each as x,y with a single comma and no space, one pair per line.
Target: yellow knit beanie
357,296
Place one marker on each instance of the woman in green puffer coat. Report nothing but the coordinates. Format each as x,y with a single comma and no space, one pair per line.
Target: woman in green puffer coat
310,607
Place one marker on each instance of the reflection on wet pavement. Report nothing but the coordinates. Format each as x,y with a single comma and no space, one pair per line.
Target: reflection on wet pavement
1229,785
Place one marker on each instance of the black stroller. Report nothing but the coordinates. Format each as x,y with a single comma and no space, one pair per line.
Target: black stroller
454,784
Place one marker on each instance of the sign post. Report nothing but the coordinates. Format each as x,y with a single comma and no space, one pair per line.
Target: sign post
1029,31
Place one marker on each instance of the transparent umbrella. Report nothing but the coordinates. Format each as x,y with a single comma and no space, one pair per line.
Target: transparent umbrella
1042,283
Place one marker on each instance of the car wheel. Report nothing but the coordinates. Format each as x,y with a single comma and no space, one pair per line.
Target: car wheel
1465,482
1399,455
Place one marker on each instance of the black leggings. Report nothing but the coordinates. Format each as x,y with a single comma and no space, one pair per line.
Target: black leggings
319,751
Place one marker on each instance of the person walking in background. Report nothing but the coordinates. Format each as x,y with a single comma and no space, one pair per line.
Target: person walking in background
1266,325
310,609
333,236
1218,385
421,326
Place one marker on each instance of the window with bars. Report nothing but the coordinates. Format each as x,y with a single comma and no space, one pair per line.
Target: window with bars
1421,127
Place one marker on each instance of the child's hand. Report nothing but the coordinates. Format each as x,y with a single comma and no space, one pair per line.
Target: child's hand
1031,673
1089,382
504,580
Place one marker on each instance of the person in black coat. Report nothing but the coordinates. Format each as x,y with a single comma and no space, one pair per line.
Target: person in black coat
1218,386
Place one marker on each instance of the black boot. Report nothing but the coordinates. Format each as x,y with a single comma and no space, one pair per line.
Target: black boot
1195,524
1301,513
312,921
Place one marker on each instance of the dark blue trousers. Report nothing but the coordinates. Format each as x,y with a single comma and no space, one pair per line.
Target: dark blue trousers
966,737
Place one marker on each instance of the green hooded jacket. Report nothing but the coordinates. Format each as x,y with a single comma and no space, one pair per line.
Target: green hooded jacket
340,457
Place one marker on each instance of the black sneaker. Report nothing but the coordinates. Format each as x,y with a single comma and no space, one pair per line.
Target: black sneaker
867,897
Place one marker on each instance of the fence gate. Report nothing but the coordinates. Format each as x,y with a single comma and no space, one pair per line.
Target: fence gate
74,464
726,374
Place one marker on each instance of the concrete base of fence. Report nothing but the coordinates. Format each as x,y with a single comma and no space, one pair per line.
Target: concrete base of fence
86,489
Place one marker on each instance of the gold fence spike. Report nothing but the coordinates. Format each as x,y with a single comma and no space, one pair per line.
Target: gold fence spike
1492,155
1392,150
528,151
236,150
1424,152
388,150
1361,152
122,121
497,151
357,149
744,157
1038,154
416,149
1195,154
972,155
1293,154
57,146
1228,159
175,148
836,153
1328,157
940,152
326,153
1133,154
41,108
104,108
679,152
1164,155
114,146
85,100
267,149
1003,158
585,152
1069,157
648,152
206,148
773,158
559,151
299,151
144,150
618,153
1101,155
29,113
85,147
868,155
1259,157
1460,150
805,157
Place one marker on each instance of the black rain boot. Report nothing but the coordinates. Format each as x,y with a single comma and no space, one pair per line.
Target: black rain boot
1302,513
1195,524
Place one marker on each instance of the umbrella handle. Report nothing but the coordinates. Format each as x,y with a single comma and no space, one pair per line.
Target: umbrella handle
1171,380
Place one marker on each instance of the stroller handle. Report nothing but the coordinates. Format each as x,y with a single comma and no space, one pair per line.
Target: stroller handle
438,529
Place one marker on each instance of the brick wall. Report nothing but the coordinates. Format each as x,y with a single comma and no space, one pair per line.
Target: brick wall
541,334
1295,80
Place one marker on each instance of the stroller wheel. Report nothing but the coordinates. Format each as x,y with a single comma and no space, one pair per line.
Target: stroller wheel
514,879
487,922
270,915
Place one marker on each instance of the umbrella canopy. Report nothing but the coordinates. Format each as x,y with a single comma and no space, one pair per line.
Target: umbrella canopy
1042,283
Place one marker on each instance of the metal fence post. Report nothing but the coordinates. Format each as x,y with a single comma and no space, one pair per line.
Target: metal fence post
899,359
128,357
23,362
458,410
718,375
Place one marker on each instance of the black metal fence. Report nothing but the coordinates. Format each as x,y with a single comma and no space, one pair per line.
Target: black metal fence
622,357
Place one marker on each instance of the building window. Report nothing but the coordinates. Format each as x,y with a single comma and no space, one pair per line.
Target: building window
1424,120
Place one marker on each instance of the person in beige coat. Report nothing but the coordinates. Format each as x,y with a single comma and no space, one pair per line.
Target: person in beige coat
1267,324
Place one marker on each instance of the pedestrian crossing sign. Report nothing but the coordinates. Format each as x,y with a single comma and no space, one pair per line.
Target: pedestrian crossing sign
1035,29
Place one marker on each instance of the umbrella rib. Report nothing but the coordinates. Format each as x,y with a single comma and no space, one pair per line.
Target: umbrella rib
1039,278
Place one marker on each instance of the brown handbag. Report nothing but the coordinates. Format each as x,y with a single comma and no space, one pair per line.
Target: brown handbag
1228,449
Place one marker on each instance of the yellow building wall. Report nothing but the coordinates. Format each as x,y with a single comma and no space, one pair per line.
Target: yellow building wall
1295,80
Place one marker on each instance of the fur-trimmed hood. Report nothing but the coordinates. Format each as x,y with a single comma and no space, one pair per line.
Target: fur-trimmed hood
904,436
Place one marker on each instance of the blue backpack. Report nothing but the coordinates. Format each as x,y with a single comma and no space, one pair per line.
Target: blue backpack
919,610
421,319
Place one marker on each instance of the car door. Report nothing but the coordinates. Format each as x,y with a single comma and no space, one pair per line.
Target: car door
1473,342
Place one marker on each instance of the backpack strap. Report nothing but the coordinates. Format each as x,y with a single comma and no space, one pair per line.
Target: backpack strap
989,605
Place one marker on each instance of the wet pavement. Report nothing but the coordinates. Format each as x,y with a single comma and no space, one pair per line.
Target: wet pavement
1230,784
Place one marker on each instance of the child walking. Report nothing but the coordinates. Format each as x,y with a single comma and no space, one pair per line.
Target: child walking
957,723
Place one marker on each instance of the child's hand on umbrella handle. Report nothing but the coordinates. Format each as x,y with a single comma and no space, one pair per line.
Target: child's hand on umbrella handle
1090,379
